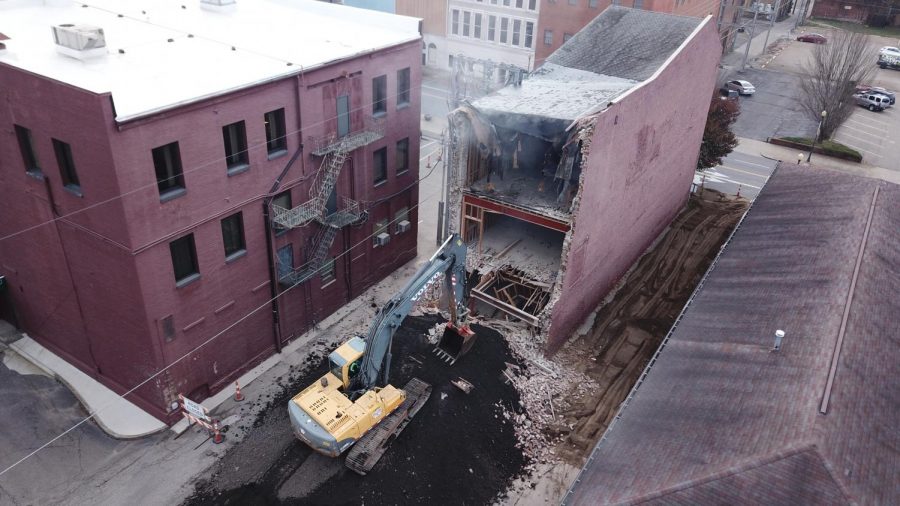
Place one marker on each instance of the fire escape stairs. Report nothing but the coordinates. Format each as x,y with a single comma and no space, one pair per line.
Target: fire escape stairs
335,151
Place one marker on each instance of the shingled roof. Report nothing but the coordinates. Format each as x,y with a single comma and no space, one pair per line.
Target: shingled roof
721,418
626,43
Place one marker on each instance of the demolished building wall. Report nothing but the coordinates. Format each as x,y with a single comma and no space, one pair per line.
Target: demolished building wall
639,156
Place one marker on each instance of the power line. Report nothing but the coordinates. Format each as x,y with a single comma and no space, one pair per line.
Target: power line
211,339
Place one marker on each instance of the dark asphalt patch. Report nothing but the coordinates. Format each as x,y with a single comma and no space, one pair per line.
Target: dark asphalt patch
459,449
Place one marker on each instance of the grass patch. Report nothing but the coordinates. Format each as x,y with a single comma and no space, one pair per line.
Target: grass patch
887,31
827,147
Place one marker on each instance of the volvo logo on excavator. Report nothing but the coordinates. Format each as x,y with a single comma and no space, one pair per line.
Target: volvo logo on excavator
416,296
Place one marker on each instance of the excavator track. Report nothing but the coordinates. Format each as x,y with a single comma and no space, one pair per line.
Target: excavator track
363,456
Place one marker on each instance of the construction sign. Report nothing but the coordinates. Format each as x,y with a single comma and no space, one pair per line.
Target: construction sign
194,410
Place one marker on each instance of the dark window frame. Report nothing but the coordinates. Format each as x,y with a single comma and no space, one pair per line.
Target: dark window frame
379,95
233,240
276,133
29,154
401,156
186,265
379,170
234,140
403,87
283,196
169,178
327,274
66,163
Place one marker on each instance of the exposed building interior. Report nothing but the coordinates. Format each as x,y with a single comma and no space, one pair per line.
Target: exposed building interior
519,167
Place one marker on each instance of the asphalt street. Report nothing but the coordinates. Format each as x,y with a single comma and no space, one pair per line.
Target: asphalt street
739,172
774,111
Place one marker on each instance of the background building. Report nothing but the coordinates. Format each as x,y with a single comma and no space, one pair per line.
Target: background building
561,182
170,168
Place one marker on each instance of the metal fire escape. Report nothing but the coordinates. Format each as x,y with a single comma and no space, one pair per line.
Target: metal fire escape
334,149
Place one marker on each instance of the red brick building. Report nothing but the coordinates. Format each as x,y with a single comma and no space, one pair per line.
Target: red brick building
169,171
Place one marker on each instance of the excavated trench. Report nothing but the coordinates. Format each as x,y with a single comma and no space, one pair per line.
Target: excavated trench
459,449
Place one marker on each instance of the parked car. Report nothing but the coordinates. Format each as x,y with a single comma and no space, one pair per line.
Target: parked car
889,51
872,101
865,88
886,61
815,38
728,93
741,86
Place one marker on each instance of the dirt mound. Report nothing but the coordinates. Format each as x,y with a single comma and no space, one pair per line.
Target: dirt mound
459,446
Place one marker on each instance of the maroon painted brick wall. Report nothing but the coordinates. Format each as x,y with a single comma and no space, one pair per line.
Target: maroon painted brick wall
97,290
637,176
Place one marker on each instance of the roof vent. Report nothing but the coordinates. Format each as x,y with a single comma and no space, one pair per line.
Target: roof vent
79,41
218,5
779,335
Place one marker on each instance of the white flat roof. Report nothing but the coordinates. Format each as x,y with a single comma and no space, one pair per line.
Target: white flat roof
154,74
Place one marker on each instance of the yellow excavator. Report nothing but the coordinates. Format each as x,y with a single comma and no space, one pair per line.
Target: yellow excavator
353,404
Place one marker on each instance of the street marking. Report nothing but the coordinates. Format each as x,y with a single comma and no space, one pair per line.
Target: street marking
751,163
436,89
868,120
861,139
862,149
878,129
743,171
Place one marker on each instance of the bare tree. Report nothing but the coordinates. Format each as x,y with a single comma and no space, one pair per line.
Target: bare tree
834,70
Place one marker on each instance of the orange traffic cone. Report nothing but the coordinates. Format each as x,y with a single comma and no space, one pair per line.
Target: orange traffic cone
218,438
238,396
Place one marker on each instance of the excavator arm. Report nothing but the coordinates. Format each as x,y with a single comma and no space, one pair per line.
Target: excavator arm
447,264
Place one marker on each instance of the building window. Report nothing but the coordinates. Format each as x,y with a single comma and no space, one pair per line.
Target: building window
566,37
592,4
402,155
381,227
454,26
235,137
492,28
26,147
326,272
548,37
403,87
169,179
529,33
282,200
233,236
517,28
467,22
66,165
519,3
379,95
532,5
573,2
184,260
399,217
506,3
477,32
379,165
276,142
638,4
285,261
504,29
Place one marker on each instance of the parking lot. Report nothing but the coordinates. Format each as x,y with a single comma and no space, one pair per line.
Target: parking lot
874,134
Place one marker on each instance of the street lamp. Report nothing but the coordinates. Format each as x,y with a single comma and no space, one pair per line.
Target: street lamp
818,132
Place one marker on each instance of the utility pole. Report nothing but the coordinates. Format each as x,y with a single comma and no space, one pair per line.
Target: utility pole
752,27
774,17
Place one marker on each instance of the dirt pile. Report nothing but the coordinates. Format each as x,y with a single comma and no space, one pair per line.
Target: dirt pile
460,448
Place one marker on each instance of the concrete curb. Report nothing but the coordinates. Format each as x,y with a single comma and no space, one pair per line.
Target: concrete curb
118,417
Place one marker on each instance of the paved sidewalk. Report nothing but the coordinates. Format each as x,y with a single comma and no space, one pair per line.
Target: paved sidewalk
116,416
731,62
788,155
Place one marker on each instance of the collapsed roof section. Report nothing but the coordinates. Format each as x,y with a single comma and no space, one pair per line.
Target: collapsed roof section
516,155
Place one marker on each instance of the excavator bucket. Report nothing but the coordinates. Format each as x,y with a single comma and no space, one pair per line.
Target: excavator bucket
456,342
